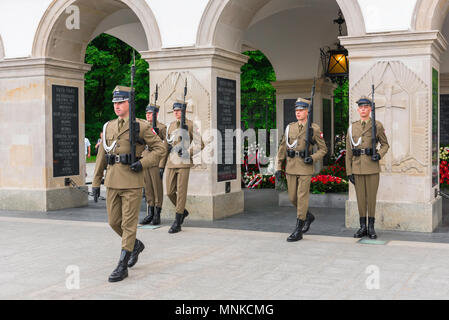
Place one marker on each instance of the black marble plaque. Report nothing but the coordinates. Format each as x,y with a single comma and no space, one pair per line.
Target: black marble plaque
289,112
444,119
227,121
65,121
327,128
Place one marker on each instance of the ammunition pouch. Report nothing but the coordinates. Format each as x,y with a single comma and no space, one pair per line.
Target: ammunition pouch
359,152
296,154
112,159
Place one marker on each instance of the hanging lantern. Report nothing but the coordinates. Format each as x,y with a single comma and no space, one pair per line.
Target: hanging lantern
335,61
338,63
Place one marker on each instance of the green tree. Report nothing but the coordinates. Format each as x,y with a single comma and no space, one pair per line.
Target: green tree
111,66
341,108
258,100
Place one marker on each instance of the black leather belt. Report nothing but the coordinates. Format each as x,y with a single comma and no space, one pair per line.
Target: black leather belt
359,152
296,154
112,159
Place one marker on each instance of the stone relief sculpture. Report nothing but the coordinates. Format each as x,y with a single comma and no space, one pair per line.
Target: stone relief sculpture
402,106
198,101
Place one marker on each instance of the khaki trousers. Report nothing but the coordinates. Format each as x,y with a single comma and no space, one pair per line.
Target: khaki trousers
154,191
123,207
177,180
366,191
298,192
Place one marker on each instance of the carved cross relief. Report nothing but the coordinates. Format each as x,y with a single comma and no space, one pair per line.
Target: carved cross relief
402,107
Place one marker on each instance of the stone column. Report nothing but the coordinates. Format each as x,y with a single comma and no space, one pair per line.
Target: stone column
288,91
401,66
27,179
207,199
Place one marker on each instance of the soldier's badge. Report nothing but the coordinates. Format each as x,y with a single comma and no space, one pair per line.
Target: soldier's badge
321,135
154,132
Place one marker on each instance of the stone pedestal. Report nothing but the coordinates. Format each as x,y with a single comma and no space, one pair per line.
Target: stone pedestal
27,181
208,199
404,70
323,112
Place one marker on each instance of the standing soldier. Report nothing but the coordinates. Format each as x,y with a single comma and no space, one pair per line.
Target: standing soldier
362,164
124,180
180,160
154,191
299,168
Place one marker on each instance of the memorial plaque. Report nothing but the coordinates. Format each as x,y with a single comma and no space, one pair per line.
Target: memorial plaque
444,119
327,129
435,128
289,112
227,120
65,121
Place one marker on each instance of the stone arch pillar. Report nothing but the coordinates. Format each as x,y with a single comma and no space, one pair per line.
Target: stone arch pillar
430,14
38,157
2,49
224,21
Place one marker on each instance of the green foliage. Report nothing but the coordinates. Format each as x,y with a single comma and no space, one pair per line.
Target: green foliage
111,66
258,101
341,108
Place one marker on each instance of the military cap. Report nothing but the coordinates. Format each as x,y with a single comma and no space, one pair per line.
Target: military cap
179,104
152,108
364,101
302,104
121,94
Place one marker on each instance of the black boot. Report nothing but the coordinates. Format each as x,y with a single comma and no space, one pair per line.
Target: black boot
309,219
157,217
362,232
149,217
184,215
138,248
371,232
121,272
297,234
176,226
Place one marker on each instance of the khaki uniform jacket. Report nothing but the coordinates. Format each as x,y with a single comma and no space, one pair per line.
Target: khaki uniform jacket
363,164
120,176
296,166
174,161
162,134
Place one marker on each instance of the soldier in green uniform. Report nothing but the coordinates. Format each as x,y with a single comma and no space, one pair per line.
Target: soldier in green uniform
299,169
124,180
362,164
180,160
154,192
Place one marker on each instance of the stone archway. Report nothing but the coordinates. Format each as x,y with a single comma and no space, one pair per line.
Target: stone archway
52,36
225,21
430,14
54,76
2,50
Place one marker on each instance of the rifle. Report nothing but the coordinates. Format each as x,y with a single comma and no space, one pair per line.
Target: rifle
309,132
155,128
134,126
183,110
183,124
373,120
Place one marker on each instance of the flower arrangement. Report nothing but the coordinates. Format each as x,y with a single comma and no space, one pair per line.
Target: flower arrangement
258,181
328,184
444,167
335,170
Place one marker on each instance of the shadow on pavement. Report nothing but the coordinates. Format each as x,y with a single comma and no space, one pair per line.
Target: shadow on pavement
261,213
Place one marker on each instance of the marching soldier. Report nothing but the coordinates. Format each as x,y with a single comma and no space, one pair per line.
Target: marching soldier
180,160
362,164
154,191
124,180
299,169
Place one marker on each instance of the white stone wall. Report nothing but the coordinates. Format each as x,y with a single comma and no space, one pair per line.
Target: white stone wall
179,20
